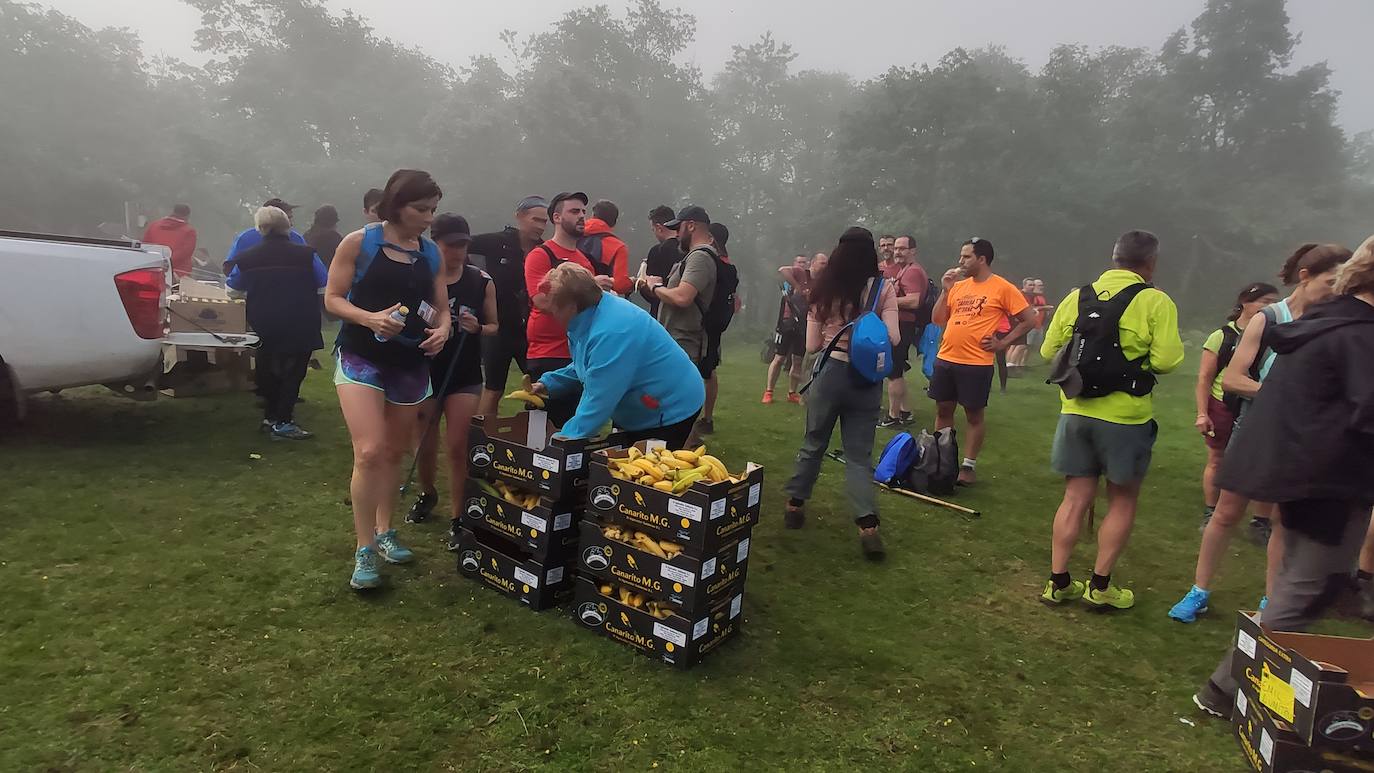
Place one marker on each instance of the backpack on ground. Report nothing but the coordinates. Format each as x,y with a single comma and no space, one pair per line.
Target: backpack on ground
870,350
936,471
895,462
1093,364
598,268
716,316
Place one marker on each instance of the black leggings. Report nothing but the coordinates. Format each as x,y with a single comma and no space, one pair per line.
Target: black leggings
675,435
560,408
279,380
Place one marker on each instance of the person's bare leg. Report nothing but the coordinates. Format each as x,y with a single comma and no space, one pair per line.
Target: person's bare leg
774,370
427,453
896,397
490,404
1230,511
458,412
1068,520
400,427
365,414
712,385
794,375
1115,530
977,431
1273,552
944,415
1209,476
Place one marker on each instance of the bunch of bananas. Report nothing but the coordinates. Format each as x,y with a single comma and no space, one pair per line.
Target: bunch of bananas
637,600
501,490
638,539
671,471
527,395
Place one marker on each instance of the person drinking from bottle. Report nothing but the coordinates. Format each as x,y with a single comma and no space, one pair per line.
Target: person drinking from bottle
455,374
386,271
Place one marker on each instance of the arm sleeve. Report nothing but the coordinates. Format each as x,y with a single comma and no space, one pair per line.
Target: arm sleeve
561,381
297,238
1014,301
321,273
620,270
1213,342
607,376
235,249
1166,345
536,266
235,279
1060,329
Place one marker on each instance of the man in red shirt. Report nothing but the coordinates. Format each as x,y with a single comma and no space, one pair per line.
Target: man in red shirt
548,339
175,233
909,279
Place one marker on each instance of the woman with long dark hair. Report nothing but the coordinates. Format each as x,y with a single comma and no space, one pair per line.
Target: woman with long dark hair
839,295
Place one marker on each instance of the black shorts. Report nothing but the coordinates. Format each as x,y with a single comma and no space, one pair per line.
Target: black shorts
789,342
497,353
711,359
901,352
967,385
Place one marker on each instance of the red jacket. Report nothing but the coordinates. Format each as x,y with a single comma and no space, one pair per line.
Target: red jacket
177,235
614,253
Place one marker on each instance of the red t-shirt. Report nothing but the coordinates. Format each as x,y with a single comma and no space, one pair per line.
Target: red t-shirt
547,337
909,279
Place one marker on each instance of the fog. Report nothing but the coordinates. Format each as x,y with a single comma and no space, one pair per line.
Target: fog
1236,130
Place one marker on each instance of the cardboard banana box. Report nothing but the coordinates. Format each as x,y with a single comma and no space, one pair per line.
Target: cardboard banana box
677,640
688,583
540,527
1271,745
496,564
522,452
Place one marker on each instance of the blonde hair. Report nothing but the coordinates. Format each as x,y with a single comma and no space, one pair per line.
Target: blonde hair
570,283
1357,274
271,220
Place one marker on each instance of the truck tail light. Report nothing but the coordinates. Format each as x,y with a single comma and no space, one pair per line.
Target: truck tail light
141,292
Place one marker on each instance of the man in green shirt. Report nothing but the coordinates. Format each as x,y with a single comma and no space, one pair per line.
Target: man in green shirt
1112,435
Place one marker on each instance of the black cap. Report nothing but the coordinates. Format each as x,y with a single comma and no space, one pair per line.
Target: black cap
690,212
562,197
450,229
720,233
279,204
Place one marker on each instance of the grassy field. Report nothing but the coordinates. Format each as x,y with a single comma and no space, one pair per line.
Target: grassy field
175,603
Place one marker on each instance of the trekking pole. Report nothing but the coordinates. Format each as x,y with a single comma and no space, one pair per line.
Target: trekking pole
438,411
837,456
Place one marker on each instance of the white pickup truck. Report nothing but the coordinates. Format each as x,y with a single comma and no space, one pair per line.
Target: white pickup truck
76,311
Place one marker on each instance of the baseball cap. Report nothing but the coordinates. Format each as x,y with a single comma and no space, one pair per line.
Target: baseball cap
279,204
450,229
532,202
720,233
690,212
562,197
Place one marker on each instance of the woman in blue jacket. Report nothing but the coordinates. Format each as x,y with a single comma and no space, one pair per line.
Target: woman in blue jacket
630,371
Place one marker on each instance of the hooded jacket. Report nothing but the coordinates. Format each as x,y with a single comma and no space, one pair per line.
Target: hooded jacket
1310,432
178,236
614,253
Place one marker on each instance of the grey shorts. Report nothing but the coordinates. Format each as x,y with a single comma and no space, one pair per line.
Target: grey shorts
1092,448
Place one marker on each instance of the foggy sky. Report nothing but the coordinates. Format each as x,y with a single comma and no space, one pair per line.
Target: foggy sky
869,37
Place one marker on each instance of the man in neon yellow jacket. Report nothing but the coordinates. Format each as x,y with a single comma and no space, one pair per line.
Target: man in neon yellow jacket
1107,429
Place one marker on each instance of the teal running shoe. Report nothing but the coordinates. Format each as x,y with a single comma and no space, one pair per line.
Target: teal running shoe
1190,606
392,549
365,574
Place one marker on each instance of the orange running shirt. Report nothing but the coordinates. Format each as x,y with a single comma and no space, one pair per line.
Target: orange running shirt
975,308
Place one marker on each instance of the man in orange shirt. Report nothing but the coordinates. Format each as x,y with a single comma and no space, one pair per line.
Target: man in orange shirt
601,245
175,233
972,302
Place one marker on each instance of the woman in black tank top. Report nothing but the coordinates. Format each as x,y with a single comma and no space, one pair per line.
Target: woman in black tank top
456,373
383,372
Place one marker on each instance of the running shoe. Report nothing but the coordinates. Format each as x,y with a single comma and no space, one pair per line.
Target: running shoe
364,570
794,398
453,533
871,543
1070,592
767,397
967,476
793,517
392,549
907,419
423,507
889,421
1109,598
1259,531
287,430
266,425
1190,606
1213,701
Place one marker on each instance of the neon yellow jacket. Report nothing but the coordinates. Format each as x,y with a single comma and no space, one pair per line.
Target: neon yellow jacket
1149,328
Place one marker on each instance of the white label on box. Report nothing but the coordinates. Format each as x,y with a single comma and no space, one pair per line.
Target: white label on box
561,522
699,630
1245,643
554,575
754,492
546,462
664,632
654,445
1242,702
574,462
1266,746
743,551
1302,688
708,568
678,575
534,521
529,579
684,509
735,604
717,509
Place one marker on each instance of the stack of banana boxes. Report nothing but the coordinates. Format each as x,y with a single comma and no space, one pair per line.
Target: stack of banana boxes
1306,701
664,550
524,497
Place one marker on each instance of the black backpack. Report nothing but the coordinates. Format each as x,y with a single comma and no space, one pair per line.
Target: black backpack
925,313
937,469
598,268
716,316
1093,365
1229,339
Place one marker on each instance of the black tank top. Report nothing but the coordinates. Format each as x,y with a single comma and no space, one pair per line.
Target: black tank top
471,291
386,283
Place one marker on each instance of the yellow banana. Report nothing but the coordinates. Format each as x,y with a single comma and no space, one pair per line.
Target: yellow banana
649,468
674,462
528,397
688,456
633,454
671,549
685,482
605,590
644,542
716,465
664,485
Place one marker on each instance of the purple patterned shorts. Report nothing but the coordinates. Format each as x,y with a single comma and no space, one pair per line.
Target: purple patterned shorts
402,386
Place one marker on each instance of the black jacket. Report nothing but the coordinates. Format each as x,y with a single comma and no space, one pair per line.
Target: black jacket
283,295
499,254
1310,432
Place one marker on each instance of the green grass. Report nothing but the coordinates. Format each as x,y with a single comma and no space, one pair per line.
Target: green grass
174,604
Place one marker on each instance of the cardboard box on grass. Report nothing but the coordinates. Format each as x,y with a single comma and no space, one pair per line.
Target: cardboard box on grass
521,451
546,531
689,583
1270,745
679,641
1322,685
701,519
497,564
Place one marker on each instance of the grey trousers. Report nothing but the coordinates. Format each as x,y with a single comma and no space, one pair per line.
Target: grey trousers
836,395
1308,582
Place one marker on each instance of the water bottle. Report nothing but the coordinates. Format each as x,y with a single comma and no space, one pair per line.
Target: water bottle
400,316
